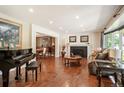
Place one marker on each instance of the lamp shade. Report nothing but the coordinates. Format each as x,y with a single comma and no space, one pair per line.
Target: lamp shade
118,54
112,53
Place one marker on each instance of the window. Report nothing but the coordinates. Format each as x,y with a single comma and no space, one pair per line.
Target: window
115,40
122,44
108,40
112,40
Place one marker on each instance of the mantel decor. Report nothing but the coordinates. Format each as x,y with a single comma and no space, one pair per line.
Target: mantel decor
10,34
84,38
72,38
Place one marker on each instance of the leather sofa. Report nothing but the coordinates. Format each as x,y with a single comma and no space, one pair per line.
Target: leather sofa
103,55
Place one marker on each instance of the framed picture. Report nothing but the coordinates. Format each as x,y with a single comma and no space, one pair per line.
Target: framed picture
72,38
84,38
10,32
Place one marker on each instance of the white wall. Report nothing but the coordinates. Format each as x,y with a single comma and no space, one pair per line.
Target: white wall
94,40
39,29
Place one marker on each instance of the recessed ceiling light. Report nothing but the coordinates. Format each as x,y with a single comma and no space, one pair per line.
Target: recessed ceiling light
31,10
60,28
77,17
81,25
50,22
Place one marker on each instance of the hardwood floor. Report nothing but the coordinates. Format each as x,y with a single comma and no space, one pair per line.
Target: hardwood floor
55,74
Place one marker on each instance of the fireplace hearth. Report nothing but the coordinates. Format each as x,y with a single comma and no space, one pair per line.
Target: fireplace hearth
79,50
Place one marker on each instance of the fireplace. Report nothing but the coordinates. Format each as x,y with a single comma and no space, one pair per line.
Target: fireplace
79,50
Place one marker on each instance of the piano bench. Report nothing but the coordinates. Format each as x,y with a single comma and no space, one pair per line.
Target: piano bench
33,66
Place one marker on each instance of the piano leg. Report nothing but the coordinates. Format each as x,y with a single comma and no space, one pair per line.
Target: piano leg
26,76
18,71
26,73
5,76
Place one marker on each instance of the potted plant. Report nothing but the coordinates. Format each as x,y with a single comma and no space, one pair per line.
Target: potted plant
63,51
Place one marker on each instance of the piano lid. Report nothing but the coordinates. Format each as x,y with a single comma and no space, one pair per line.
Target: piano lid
5,49
5,53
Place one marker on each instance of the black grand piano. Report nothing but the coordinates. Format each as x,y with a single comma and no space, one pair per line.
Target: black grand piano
11,58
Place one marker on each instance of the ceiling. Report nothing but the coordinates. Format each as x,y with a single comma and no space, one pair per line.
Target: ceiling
64,18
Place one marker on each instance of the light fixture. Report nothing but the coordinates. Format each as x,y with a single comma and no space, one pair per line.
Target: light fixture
60,28
105,28
31,10
77,17
81,25
116,15
51,22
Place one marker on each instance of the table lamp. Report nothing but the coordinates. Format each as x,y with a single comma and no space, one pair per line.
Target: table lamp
112,53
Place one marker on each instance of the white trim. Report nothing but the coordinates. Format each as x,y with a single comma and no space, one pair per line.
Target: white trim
39,29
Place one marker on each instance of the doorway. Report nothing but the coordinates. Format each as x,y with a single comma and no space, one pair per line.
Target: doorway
45,45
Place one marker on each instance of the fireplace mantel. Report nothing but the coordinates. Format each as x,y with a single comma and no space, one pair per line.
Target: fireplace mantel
79,44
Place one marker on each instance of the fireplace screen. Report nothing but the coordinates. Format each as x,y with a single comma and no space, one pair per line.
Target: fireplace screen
79,50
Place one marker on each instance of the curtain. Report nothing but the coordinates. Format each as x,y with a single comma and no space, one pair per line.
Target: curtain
102,38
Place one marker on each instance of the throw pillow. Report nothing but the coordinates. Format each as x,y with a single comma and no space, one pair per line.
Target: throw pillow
105,51
102,56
